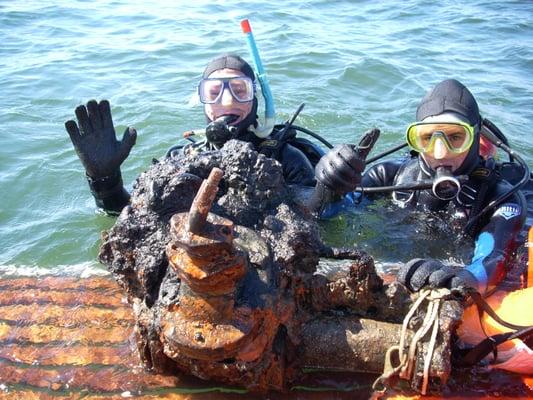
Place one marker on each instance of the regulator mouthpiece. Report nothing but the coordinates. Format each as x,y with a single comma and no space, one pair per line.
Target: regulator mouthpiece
445,185
219,132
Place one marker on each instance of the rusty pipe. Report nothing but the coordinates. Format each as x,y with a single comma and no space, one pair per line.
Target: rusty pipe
203,201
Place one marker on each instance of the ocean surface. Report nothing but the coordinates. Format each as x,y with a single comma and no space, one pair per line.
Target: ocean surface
355,64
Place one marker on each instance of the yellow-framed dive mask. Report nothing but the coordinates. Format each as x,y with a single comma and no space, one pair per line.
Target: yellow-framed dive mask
457,136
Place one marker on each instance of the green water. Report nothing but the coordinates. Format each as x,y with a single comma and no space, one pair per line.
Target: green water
356,64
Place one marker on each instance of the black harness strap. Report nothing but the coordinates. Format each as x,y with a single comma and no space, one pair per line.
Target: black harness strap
483,306
486,175
491,343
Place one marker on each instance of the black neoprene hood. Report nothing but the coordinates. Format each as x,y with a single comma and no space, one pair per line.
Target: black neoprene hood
231,61
452,96
449,95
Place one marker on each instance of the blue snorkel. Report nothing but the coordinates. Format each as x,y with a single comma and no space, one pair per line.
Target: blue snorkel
262,130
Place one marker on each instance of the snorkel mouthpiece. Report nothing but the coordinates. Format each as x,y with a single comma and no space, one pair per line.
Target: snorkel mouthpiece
445,185
262,130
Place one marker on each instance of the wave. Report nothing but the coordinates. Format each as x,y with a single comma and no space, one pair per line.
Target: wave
81,270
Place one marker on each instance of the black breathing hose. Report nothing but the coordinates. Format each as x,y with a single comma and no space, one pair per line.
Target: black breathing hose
494,139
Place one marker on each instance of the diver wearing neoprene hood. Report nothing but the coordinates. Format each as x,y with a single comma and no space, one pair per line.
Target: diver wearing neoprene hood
449,101
445,142
228,92
228,119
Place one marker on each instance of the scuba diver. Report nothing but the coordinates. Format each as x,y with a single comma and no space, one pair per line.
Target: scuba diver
228,91
445,172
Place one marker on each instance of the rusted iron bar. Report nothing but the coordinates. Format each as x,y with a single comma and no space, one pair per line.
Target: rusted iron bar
204,200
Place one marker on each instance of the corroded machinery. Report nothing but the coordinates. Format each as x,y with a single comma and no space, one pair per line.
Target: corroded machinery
230,281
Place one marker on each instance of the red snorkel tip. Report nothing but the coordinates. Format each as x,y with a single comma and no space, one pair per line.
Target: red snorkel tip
245,25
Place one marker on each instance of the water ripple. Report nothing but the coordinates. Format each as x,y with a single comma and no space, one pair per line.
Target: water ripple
354,64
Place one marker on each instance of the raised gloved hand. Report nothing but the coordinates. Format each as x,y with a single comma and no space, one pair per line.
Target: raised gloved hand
95,141
341,168
101,154
420,272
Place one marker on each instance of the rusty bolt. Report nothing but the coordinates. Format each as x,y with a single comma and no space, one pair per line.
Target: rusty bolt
204,200
199,337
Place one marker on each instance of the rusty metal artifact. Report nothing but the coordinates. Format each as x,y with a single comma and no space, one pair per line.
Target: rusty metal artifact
70,337
226,278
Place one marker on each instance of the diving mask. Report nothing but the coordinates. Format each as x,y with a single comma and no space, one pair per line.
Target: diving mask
242,88
456,136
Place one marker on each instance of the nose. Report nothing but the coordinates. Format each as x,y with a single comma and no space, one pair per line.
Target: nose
227,98
440,150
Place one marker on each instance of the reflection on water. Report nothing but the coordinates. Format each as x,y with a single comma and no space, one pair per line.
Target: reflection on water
394,235
73,338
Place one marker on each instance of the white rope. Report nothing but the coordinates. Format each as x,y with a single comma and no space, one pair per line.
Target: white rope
407,361
431,348
407,370
406,320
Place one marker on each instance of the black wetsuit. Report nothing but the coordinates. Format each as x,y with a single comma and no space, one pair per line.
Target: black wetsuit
495,234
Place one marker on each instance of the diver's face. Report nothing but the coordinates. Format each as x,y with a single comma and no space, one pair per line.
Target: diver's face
227,105
440,156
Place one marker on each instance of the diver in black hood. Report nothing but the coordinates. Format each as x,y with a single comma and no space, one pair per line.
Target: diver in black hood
445,142
227,90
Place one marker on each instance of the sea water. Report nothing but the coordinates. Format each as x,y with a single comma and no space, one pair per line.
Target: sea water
355,65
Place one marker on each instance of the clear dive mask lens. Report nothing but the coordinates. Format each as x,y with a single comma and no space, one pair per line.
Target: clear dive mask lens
210,90
457,137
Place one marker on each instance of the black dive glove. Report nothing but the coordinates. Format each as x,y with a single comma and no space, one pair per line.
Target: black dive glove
420,272
341,168
100,152
339,171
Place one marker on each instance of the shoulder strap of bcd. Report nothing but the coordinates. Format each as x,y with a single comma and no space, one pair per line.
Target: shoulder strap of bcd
490,343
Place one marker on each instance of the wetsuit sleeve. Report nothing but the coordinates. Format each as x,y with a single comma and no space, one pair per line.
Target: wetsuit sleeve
381,174
297,169
109,193
496,243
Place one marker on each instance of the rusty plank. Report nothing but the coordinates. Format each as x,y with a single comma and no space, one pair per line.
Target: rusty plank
41,334
65,298
56,355
73,378
66,316
102,284
207,395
